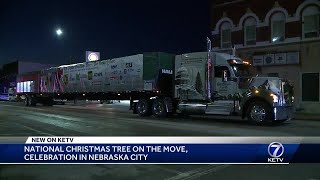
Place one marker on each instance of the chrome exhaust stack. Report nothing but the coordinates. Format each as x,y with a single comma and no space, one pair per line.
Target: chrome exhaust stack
210,70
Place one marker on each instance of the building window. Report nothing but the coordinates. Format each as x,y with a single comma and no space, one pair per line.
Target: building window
310,87
310,22
226,35
250,27
278,26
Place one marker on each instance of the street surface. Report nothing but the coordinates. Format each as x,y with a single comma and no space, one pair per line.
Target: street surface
93,119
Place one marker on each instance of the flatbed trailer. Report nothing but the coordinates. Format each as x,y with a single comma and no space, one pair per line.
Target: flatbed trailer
161,84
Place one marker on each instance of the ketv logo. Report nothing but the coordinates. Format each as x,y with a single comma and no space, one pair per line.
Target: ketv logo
275,150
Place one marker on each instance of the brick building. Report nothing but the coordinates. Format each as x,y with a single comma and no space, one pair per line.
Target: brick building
280,38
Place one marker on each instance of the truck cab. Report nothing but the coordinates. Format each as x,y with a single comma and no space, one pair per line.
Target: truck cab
222,84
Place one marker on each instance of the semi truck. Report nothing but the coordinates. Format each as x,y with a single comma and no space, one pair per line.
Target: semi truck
162,84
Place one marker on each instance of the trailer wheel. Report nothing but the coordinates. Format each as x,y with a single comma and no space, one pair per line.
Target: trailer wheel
143,107
259,112
159,108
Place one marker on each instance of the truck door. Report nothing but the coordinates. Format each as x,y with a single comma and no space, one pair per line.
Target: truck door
224,86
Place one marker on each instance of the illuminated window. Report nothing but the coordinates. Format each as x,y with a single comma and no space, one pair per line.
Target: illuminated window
310,19
25,86
250,27
28,86
21,86
278,26
18,87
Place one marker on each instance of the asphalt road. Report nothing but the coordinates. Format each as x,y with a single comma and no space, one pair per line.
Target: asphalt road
115,120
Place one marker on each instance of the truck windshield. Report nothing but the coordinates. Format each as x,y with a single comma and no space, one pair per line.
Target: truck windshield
243,70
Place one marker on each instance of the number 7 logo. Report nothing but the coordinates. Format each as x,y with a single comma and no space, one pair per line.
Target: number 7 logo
275,149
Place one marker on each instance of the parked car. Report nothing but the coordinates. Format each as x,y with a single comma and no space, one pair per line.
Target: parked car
8,97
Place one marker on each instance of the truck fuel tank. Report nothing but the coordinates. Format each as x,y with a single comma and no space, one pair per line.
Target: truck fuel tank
192,107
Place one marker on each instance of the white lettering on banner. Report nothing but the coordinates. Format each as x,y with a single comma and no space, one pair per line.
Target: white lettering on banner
138,148
80,149
96,152
108,157
116,157
69,149
121,148
166,71
35,149
181,149
50,157
138,157
154,148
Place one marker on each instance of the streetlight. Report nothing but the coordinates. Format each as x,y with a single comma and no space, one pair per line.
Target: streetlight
59,32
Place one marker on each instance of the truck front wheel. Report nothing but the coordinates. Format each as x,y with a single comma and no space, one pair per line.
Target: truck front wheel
259,112
159,108
143,107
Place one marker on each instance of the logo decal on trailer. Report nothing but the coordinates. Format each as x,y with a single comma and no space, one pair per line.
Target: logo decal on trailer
166,71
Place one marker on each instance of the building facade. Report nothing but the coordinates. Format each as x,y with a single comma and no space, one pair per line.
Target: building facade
10,71
280,38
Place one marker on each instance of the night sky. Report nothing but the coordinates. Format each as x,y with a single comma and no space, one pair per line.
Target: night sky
114,27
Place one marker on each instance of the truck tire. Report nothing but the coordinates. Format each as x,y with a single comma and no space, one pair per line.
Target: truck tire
159,108
26,101
259,112
50,102
32,101
143,107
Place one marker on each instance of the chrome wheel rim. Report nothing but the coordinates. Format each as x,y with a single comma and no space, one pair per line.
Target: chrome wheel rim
157,108
142,108
258,113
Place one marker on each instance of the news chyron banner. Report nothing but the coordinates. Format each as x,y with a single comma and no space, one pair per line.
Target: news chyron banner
159,150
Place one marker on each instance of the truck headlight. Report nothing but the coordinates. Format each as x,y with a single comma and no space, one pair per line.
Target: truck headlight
274,97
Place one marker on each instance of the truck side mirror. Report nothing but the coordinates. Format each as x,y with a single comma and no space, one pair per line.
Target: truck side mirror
225,76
